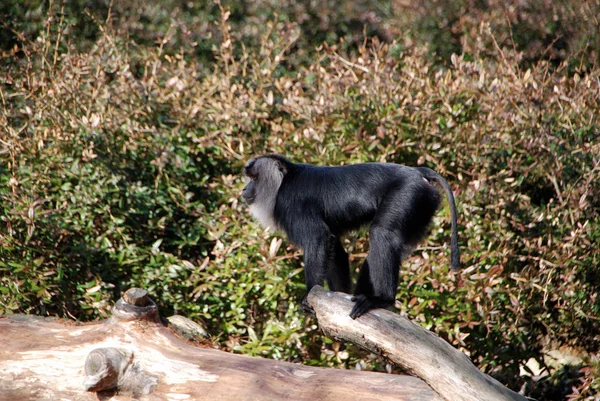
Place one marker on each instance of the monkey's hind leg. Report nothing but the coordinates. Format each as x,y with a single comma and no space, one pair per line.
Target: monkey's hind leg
399,224
378,279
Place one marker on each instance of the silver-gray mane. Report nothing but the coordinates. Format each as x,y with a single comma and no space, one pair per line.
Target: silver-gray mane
267,185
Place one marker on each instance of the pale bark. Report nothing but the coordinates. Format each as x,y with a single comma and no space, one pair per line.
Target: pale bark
134,356
418,351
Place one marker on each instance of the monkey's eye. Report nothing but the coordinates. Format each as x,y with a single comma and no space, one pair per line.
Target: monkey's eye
249,177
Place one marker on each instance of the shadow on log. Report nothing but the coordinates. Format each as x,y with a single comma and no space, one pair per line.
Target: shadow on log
420,352
133,355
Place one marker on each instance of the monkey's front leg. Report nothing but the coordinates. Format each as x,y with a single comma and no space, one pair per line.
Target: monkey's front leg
315,265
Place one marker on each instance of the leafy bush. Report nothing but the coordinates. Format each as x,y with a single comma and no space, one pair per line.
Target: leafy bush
538,29
120,167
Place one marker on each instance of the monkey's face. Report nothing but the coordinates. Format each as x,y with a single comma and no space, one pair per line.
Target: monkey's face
248,193
250,175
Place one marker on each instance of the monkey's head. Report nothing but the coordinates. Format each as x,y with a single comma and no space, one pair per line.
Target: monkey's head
264,176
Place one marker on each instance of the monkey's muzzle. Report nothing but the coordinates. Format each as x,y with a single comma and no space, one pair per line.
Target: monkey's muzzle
247,195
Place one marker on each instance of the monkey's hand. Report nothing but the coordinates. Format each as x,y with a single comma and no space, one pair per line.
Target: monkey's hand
307,308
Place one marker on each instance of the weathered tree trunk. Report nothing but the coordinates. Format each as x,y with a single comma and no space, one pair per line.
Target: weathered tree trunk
133,356
420,352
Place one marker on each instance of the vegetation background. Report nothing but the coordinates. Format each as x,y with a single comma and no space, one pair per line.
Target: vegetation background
124,127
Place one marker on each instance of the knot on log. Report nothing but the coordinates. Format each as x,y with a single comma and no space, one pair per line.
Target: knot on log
187,328
104,366
114,369
135,305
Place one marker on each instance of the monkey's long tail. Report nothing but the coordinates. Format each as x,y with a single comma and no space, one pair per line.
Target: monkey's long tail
431,175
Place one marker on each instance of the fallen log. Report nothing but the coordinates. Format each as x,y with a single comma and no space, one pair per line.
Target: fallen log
133,355
418,351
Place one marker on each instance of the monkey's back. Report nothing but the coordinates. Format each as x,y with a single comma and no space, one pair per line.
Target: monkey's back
344,197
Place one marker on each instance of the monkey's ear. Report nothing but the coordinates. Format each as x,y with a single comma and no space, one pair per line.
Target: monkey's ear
281,167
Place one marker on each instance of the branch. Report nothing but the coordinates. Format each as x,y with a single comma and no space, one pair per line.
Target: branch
420,352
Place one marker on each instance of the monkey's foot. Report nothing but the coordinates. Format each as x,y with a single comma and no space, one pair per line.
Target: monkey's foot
307,308
363,304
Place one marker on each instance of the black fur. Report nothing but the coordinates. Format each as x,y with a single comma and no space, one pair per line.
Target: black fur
316,205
